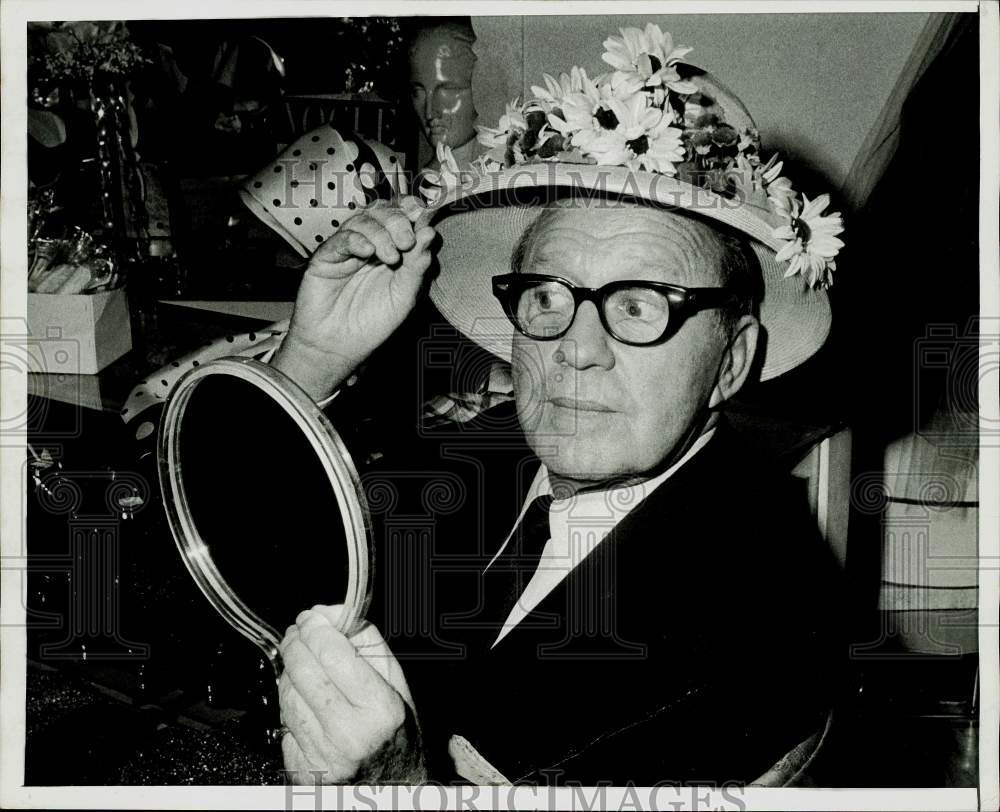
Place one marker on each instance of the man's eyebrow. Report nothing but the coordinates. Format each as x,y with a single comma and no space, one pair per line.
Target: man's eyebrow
539,260
544,249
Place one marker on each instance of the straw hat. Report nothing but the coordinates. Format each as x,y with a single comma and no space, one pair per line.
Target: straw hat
654,130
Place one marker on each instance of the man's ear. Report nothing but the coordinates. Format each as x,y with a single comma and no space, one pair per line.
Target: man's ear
737,361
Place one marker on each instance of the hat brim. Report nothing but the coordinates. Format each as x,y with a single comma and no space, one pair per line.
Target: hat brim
481,221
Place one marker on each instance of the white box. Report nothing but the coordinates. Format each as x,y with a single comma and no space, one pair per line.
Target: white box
77,333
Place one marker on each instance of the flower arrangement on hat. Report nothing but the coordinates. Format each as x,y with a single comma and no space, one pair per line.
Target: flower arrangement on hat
645,115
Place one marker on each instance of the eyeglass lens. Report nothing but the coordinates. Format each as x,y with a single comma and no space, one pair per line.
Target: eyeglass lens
636,314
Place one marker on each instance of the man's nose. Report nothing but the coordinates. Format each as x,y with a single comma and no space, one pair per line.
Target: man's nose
587,343
430,106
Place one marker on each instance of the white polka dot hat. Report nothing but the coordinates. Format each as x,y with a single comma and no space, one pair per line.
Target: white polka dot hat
320,181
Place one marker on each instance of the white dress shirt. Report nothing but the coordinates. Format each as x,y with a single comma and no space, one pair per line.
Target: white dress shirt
576,526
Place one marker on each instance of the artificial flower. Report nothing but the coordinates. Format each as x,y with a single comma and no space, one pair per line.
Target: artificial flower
664,149
512,120
524,133
606,147
708,134
577,113
503,140
633,134
780,194
763,184
435,183
811,241
646,59
578,107
556,90
749,142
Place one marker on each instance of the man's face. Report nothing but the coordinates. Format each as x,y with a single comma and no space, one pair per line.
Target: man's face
441,64
591,407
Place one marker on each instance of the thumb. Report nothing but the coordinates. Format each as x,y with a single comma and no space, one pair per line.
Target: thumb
341,255
409,277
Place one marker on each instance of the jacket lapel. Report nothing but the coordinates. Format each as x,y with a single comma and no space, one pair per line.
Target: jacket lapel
592,607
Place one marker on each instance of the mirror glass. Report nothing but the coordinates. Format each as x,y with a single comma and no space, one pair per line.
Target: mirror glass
263,499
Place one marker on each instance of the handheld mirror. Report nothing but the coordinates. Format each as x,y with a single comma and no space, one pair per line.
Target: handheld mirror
263,500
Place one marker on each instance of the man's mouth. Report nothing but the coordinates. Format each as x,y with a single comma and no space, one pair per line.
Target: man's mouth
580,405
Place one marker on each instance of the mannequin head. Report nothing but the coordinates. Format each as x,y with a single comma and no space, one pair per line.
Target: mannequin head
441,64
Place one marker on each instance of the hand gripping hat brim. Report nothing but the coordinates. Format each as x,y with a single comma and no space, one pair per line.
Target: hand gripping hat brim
481,221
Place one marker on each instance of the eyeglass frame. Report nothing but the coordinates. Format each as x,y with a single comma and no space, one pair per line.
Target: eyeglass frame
682,302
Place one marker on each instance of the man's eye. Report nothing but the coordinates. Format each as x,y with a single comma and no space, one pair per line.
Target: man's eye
544,303
640,307
633,308
549,297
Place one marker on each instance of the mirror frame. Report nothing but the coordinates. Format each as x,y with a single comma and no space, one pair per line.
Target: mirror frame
341,473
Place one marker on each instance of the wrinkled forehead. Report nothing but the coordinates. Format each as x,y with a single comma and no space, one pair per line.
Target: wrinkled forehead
627,237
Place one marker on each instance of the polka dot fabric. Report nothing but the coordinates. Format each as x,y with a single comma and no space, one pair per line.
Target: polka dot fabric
154,390
320,181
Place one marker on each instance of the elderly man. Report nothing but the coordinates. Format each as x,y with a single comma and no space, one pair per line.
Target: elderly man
618,589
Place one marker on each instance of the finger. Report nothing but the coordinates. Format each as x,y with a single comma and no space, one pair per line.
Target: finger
372,648
379,236
360,682
366,640
344,246
335,677
292,633
409,278
417,211
337,731
309,764
395,221
332,612
297,765
323,697
302,723
412,207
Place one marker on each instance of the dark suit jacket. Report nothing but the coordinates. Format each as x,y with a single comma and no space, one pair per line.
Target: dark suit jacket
694,644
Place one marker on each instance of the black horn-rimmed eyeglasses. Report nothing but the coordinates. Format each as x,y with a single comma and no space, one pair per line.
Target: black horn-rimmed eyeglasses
634,312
